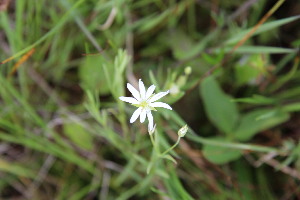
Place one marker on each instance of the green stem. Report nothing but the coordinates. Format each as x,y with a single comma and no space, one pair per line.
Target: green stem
154,143
155,154
152,139
172,147
234,145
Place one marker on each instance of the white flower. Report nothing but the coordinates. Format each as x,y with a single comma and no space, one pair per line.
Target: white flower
145,101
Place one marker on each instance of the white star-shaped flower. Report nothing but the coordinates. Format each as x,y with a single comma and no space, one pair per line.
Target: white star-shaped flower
145,101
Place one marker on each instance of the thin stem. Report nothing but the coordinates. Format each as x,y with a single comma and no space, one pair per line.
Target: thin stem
153,142
234,145
155,152
152,139
177,142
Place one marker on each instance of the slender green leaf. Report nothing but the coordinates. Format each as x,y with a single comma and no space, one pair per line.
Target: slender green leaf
265,27
256,49
256,121
256,99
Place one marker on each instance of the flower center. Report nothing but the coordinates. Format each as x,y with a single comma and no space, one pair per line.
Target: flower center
144,104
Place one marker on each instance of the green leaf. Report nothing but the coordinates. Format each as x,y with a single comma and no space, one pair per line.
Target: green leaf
77,134
287,77
256,50
262,28
154,20
184,48
218,106
92,75
256,99
259,120
243,173
16,169
175,188
250,69
293,107
168,157
220,155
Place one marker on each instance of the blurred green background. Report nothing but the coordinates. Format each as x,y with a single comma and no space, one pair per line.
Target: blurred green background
64,133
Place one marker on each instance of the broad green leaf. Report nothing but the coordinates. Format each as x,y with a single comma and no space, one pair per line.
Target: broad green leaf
79,135
91,74
220,155
259,120
218,106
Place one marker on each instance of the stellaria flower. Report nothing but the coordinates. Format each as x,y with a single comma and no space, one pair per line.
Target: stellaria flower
145,101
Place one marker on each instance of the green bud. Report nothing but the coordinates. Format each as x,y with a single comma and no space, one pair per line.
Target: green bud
188,70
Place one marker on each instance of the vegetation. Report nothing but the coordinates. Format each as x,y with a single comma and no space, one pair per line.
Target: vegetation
232,68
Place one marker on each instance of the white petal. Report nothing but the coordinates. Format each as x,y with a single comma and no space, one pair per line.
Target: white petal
150,119
135,115
150,91
133,91
158,96
129,100
142,89
143,116
160,104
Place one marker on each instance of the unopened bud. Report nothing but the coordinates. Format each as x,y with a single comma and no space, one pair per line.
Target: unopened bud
174,90
188,70
183,131
151,130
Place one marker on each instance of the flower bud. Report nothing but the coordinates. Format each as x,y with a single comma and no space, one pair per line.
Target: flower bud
188,70
183,131
174,90
151,130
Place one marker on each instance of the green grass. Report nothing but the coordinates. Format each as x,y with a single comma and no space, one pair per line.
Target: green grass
64,133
